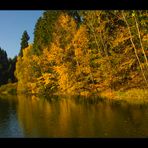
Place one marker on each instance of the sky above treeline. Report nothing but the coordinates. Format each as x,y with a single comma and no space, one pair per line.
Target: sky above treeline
12,25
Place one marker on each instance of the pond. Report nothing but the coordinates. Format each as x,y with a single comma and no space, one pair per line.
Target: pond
22,116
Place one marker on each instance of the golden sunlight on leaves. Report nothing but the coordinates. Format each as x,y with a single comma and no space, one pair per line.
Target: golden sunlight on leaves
104,50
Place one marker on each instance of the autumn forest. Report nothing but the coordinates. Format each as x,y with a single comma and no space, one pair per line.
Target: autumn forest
103,52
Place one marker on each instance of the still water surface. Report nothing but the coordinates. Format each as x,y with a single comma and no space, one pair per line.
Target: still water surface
70,117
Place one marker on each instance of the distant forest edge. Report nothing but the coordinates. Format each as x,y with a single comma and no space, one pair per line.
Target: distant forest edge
7,68
82,52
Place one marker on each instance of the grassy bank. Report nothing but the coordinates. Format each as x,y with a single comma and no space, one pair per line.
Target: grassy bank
132,96
10,88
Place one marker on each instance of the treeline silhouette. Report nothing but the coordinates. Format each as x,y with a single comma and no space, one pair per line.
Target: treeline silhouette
7,68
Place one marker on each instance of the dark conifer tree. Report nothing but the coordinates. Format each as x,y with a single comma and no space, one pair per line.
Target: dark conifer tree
24,42
3,67
44,29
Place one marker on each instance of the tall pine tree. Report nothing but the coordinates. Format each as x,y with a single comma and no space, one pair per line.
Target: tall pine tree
24,42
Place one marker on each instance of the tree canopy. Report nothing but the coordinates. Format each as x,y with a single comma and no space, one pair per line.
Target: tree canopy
86,52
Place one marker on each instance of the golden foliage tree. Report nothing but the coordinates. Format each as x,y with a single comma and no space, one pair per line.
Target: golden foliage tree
106,51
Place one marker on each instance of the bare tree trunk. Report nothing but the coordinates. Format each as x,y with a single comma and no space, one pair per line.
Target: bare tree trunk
134,47
140,40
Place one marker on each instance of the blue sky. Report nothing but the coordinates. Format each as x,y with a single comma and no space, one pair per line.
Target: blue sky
12,25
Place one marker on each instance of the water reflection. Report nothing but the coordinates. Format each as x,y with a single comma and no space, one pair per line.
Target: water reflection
68,117
25,116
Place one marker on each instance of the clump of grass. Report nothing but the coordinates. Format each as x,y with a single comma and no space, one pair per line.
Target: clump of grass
10,88
133,96
85,93
108,94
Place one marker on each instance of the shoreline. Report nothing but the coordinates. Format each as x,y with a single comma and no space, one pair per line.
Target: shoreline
131,96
